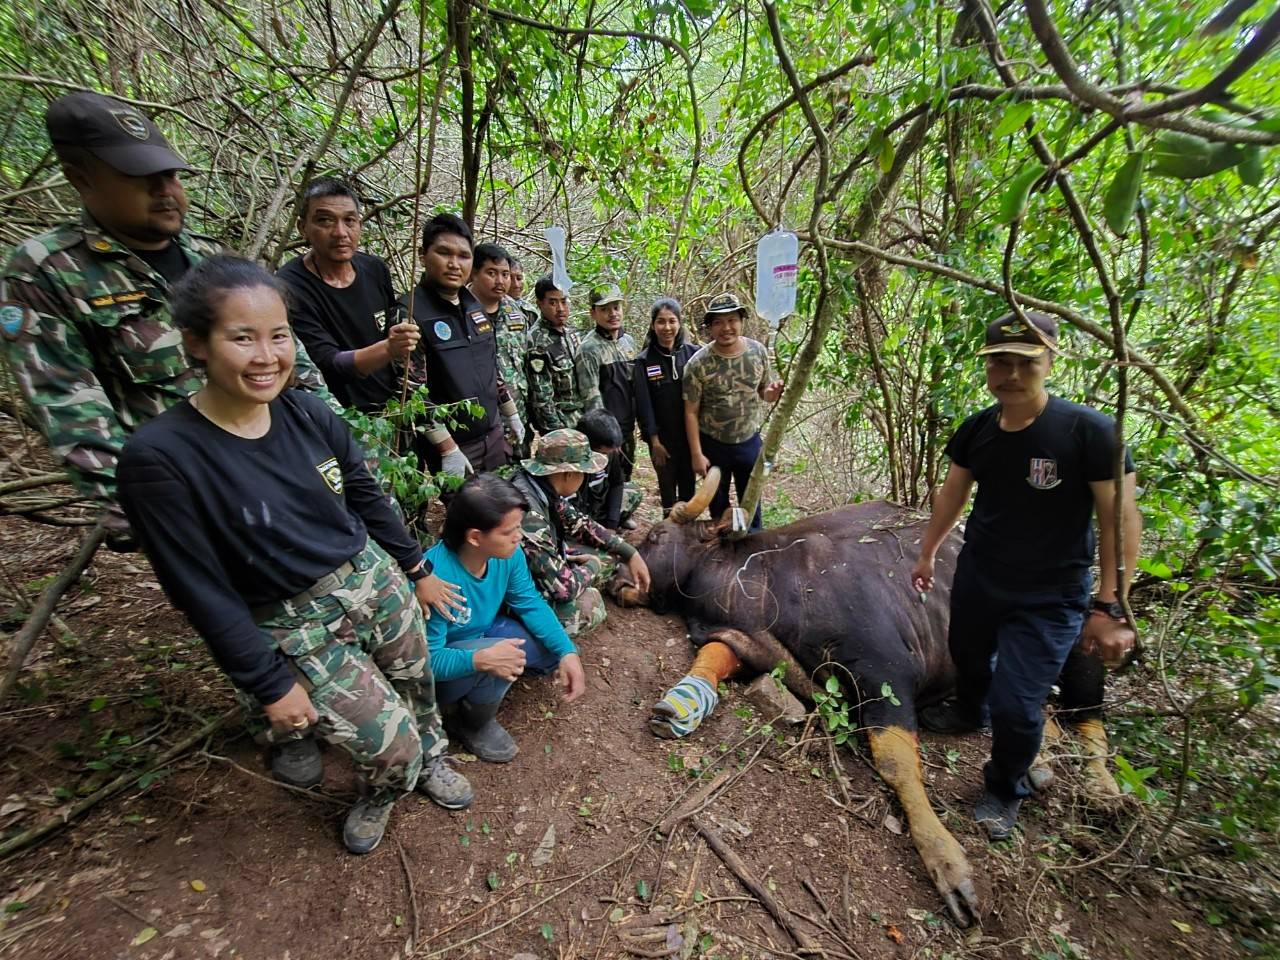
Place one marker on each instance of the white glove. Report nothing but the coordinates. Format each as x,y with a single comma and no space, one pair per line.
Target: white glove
515,429
455,463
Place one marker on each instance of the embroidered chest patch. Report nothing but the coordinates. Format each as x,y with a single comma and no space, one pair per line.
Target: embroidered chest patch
442,330
654,373
1044,473
332,473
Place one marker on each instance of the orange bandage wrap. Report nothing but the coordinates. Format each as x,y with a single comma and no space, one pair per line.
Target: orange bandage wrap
716,661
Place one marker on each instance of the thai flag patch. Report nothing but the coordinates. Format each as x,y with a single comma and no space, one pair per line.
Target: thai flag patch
655,373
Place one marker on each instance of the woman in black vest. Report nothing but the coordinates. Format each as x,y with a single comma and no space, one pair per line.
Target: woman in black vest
659,372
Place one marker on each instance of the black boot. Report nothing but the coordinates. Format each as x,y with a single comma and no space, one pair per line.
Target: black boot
475,726
297,762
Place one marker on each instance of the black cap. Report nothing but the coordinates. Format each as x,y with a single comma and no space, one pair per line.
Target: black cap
1009,334
119,135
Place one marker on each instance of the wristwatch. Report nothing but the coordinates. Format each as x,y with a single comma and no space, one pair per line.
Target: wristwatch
420,574
1111,608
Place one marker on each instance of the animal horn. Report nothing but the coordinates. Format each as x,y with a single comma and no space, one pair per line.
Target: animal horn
684,512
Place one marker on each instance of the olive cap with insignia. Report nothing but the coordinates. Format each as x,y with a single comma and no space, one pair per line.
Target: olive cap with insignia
118,134
723,303
564,451
609,293
1009,334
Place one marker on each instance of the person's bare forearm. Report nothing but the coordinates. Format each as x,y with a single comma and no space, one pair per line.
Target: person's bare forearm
948,506
691,429
373,357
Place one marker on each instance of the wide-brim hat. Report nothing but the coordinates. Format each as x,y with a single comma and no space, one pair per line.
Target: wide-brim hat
117,133
564,451
721,304
1009,334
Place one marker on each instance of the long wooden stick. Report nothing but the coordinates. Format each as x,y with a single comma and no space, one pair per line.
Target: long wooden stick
125,780
758,889
44,607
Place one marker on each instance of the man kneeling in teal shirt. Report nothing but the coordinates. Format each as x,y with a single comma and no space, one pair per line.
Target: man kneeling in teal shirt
477,656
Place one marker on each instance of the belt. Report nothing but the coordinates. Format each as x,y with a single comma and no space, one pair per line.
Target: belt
321,588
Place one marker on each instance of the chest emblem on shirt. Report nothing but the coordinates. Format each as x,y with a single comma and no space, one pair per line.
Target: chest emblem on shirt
332,474
443,330
483,326
11,317
655,373
537,364
1044,473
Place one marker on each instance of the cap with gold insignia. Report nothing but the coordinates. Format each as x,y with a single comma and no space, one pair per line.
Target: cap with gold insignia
1011,334
609,293
120,135
564,451
721,304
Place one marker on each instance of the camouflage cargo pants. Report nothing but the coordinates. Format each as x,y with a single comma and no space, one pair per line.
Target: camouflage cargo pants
631,497
361,652
585,612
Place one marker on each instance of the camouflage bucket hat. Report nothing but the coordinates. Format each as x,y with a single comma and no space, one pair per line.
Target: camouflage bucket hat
564,451
721,304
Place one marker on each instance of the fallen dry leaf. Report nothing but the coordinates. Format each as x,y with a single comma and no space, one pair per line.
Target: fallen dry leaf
893,933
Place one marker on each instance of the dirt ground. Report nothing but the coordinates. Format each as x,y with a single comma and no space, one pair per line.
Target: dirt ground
559,856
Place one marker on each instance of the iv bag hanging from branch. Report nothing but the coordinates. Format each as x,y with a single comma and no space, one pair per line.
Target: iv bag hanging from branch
777,255
559,272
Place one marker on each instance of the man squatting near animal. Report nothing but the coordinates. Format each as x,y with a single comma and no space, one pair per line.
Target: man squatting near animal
87,322
605,496
490,282
457,358
555,402
506,629
1043,466
726,386
569,554
603,368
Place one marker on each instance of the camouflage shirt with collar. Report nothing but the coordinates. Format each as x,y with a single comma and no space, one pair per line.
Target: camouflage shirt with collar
555,402
546,549
92,344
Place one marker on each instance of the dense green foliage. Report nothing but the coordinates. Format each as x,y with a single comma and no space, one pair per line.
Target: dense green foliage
935,160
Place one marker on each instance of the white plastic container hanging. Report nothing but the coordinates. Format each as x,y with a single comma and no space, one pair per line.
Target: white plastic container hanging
559,272
777,258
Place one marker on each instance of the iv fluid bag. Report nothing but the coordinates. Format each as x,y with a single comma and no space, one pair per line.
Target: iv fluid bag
776,257
559,272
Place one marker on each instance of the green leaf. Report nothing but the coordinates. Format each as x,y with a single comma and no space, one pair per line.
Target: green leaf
886,155
1013,118
642,890
1014,202
97,703
547,932
1249,170
145,935
886,691
832,685
1122,196
493,880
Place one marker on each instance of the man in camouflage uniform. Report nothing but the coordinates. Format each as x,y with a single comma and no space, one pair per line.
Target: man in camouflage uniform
605,368
516,292
727,385
490,282
84,312
555,403
570,555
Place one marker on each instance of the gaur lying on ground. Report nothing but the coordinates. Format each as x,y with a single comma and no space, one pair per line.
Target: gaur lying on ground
832,589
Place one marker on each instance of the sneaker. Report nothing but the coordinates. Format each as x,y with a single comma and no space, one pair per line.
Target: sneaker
365,824
297,762
948,717
998,817
443,784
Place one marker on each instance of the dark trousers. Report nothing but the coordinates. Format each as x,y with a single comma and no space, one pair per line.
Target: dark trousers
628,449
1028,632
482,687
675,477
735,461
486,452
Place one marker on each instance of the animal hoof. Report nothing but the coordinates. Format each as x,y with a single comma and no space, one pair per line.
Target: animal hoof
962,903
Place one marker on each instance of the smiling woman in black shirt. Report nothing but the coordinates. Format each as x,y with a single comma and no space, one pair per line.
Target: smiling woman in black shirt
266,529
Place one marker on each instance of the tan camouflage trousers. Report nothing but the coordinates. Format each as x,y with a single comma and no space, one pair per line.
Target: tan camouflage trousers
586,611
361,653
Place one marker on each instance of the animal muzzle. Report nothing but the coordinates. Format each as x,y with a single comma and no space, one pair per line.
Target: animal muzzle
685,512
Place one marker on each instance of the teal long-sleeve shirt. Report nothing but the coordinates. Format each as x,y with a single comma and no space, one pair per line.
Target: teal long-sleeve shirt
504,582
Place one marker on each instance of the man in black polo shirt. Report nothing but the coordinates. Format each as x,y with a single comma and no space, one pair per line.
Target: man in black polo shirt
344,306
458,357
1043,466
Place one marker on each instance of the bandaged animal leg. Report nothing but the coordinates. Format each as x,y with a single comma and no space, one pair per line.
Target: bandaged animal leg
1041,772
896,754
1099,782
683,708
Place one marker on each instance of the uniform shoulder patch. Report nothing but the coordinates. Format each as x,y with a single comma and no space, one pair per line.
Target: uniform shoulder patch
13,318
536,364
331,471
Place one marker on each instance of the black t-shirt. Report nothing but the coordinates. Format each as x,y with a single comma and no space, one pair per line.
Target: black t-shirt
1032,517
230,523
333,321
457,357
170,263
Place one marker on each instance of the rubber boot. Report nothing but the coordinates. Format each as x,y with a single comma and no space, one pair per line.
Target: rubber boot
476,727
1099,783
1041,773
297,762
